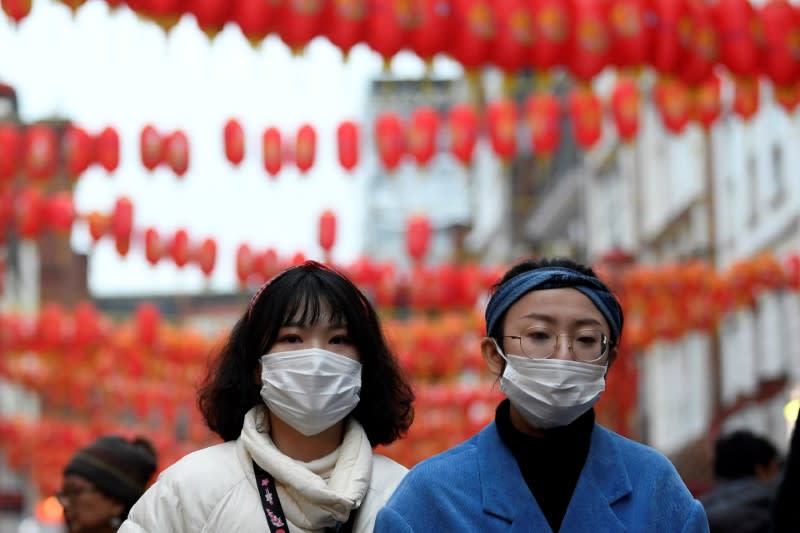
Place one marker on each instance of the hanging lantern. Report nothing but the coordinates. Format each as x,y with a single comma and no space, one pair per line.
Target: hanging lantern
107,149
418,236
99,225
746,97
431,28
781,22
702,53
29,208
59,212
706,101
625,109
256,18
347,144
389,139
585,114
86,319
300,22
50,326
244,263
463,122
543,117
672,100
787,96
153,249
122,225
179,248
271,151
473,32
511,50
591,44
234,141
73,5
164,13
207,256
177,152
40,152
151,147
422,134
387,25
670,19
551,30
502,116
305,148
740,33
78,150
147,320
327,230
211,15
16,10
10,152
344,26
630,36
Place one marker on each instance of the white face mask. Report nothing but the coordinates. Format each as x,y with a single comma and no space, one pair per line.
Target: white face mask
551,393
310,389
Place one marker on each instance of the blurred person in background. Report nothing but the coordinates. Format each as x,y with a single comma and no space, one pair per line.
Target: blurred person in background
786,509
102,482
746,467
553,329
303,390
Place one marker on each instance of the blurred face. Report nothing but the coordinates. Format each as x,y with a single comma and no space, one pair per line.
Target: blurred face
87,510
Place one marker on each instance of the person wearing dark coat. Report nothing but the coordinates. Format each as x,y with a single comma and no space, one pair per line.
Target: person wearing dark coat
786,511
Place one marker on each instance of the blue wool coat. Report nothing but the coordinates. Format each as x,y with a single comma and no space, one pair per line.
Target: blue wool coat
477,486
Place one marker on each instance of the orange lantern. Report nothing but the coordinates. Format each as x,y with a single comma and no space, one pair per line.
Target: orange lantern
327,230
10,151
78,150
503,128
40,152
585,114
630,36
344,25
543,117
179,249
739,30
255,18
59,212
207,256
347,144
745,97
305,148
672,100
122,225
463,122
670,34
151,147
99,224
177,152
781,23
591,44
107,149
271,151
389,138
511,49
299,22
16,10
706,106
153,249
418,236
625,108
233,136
551,30
431,28
473,31
244,263
422,134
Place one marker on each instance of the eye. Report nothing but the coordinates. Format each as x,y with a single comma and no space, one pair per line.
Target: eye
290,338
341,339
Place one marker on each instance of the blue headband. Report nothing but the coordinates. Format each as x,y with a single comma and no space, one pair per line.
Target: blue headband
555,278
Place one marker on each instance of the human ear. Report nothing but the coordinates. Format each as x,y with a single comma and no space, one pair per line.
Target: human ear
494,361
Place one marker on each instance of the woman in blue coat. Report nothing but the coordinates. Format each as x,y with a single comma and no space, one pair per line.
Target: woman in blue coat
544,464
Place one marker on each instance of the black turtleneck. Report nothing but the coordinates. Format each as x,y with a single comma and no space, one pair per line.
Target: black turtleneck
551,463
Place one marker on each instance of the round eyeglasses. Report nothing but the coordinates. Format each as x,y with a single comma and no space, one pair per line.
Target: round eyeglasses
586,345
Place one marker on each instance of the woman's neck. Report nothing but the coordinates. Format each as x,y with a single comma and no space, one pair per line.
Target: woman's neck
300,447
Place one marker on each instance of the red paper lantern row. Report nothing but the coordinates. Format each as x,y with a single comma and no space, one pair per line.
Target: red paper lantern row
30,213
171,149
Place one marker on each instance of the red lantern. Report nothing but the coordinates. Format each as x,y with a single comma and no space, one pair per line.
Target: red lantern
211,15
99,224
78,150
431,28
787,96
153,249
256,18
418,236
179,249
50,326
670,35
511,50
300,22
746,97
305,148
781,22
739,31
207,256
344,26
271,151
586,116
244,263
151,147
73,5
473,32
86,320
177,152
122,224
387,24
389,138
463,121
543,116
40,146
107,149
148,320
10,151
17,10
625,108
630,36
703,49
29,210
591,43
327,231
347,143
672,100
551,30
234,141
706,101
165,13
60,212
503,128
422,134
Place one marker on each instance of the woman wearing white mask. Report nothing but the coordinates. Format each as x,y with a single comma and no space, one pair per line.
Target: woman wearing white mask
544,464
302,391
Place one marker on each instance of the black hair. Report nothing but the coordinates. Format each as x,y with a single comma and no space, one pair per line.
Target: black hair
737,455
550,262
304,293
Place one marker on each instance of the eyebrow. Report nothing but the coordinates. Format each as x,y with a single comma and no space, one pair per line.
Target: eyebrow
551,320
331,327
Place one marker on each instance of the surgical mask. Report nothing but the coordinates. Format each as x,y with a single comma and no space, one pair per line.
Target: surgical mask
551,393
310,389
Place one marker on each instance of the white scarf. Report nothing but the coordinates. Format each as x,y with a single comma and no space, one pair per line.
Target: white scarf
319,494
